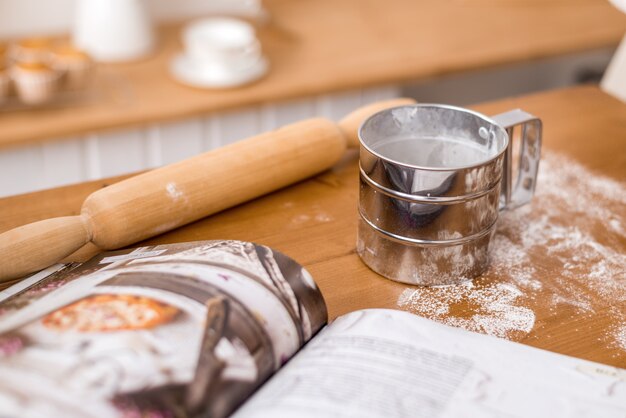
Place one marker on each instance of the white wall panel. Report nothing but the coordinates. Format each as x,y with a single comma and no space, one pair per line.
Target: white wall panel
374,94
211,138
336,105
154,154
167,10
20,170
92,157
63,162
180,140
121,152
235,125
275,115
32,17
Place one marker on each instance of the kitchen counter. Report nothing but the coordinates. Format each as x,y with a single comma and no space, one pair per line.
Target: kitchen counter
556,279
321,46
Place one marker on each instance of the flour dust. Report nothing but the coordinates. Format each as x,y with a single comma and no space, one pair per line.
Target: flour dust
567,247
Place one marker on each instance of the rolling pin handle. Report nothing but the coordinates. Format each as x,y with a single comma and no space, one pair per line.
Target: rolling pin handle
38,245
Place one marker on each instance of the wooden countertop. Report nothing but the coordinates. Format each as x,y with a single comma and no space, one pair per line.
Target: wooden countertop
315,223
320,46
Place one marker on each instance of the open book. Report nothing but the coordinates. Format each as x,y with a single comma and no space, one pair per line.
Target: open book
221,327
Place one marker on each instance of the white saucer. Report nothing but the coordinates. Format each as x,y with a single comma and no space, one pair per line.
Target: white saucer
190,72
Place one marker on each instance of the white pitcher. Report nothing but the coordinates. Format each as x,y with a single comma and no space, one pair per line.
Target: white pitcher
113,30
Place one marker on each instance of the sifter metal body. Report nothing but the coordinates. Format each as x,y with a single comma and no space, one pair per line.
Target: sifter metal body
433,179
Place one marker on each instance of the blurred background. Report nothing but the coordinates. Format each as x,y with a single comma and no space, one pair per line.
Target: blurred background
91,89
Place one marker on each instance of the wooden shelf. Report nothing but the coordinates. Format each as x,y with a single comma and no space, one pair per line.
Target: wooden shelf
320,46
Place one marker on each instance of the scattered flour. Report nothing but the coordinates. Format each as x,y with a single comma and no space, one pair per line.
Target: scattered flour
318,216
493,309
573,233
173,191
620,337
300,219
323,217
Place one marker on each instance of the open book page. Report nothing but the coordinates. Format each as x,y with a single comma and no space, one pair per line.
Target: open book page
385,363
167,331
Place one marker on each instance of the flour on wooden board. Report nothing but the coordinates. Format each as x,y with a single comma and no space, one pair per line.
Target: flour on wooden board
620,337
573,232
318,215
499,313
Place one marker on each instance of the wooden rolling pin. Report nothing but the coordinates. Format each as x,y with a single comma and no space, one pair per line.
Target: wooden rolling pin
166,198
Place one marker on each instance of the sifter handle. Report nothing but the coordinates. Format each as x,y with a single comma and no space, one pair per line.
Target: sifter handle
519,192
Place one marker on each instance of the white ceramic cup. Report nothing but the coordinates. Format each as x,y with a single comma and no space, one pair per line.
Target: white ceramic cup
221,42
114,30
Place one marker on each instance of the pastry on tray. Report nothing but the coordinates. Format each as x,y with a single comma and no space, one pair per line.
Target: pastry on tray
35,82
76,65
31,50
